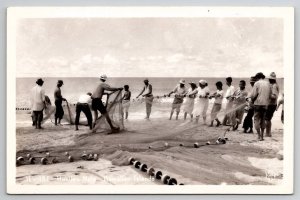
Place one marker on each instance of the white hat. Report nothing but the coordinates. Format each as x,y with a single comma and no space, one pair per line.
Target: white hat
272,76
202,82
103,77
182,81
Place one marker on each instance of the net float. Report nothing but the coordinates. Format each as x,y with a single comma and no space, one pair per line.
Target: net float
131,160
71,159
95,157
44,161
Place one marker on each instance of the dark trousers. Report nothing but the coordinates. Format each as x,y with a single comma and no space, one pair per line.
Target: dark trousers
37,118
59,112
84,107
248,121
270,112
259,116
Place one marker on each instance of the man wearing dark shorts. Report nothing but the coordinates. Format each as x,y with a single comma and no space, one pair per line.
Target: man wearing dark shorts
97,104
59,112
83,105
273,103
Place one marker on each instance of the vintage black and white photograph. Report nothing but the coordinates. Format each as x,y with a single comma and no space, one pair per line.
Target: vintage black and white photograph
142,100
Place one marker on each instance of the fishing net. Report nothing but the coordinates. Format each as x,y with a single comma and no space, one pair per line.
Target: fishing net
69,112
113,104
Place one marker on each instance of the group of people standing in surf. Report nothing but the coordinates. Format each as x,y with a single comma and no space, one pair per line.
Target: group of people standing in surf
261,103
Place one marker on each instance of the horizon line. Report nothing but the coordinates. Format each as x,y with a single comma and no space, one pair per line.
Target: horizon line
134,77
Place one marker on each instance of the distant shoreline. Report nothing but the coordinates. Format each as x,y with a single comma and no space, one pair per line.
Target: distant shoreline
138,77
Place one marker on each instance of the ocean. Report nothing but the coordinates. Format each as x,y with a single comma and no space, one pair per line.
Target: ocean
75,86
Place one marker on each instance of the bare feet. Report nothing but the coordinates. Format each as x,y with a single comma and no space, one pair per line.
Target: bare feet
115,130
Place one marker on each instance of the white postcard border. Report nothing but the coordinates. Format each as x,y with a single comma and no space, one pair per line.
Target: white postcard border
287,13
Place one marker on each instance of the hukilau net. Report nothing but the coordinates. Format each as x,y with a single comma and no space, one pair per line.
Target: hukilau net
113,104
69,112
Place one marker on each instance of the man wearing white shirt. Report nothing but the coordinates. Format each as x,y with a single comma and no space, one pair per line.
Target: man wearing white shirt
83,104
228,96
38,103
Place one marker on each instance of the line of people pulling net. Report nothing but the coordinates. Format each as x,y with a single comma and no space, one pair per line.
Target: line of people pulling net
194,101
260,103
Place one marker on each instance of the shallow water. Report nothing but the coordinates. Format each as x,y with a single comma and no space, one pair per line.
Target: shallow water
74,87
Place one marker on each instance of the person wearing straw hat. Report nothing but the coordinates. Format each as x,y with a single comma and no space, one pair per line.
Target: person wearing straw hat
272,104
260,96
147,94
201,102
239,104
59,112
97,104
248,121
218,95
37,103
179,91
188,103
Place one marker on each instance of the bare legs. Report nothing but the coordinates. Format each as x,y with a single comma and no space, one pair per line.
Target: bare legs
114,129
171,114
149,101
109,121
204,119
268,128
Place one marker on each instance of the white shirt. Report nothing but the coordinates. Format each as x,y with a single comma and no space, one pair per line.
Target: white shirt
229,91
219,99
37,98
180,90
192,92
202,92
85,99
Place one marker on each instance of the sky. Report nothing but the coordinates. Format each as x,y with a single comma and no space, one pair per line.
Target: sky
149,47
